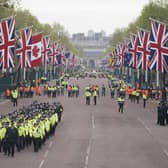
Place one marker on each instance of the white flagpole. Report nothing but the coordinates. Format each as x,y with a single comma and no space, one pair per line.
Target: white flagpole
130,71
45,69
138,74
157,78
24,73
146,76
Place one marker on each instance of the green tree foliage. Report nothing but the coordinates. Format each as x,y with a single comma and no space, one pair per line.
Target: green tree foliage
24,18
151,10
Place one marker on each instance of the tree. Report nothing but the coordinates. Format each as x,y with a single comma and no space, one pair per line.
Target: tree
150,10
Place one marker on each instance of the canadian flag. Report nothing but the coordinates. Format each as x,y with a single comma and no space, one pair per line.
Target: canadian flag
36,50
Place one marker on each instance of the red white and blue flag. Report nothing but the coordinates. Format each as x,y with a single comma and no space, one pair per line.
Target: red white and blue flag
7,43
54,53
118,59
143,49
23,50
45,49
133,47
126,52
36,50
158,45
121,53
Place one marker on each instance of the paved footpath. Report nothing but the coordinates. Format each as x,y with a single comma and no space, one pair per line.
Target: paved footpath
97,136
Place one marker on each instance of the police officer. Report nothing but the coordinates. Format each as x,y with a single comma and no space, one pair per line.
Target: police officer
87,94
137,95
144,99
95,96
103,90
14,96
121,101
36,137
112,92
11,137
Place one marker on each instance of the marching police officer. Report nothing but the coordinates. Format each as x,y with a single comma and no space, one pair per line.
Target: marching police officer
14,94
121,102
11,137
95,96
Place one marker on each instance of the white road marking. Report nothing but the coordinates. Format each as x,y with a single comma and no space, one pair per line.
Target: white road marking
50,145
41,164
87,154
93,122
165,152
86,160
88,150
146,127
46,154
3,102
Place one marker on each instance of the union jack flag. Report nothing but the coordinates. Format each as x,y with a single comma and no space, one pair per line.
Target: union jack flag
54,53
118,59
126,52
63,58
158,46
23,50
143,49
45,49
121,53
133,46
7,43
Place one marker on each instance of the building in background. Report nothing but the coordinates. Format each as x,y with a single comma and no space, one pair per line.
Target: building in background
93,44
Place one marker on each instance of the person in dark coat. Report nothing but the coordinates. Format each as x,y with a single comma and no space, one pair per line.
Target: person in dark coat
11,138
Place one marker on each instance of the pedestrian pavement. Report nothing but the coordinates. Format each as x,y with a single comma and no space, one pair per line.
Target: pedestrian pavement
97,136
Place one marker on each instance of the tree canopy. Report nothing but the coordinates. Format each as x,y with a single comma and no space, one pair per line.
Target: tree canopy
151,10
24,18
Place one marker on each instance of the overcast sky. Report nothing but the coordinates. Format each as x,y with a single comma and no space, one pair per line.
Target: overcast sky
83,15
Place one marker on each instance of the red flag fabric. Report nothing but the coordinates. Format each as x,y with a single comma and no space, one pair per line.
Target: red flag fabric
36,50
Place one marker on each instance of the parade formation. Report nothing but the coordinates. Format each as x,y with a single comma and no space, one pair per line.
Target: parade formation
61,107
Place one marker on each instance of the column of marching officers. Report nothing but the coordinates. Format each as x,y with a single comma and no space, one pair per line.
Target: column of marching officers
34,124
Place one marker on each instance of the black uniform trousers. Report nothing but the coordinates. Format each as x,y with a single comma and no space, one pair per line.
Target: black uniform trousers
121,106
95,98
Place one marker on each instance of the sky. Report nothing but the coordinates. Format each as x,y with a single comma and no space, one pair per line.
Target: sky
83,15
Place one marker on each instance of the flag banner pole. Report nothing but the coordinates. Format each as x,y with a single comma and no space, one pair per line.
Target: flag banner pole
138,74
139,28
146,76
157,78
54,71
24,28
130,72
36,76
45,69
24,73
7,18
157,21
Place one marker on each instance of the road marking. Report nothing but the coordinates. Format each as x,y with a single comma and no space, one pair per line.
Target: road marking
51,143
3,102
93,122
146,127
87,154
86,160
88,150
46,154
41,164
165,152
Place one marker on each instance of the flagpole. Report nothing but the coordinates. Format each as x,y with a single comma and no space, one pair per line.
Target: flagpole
157,78
54,71
146,76
24,28
138,74
45,68
7,18
24,73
